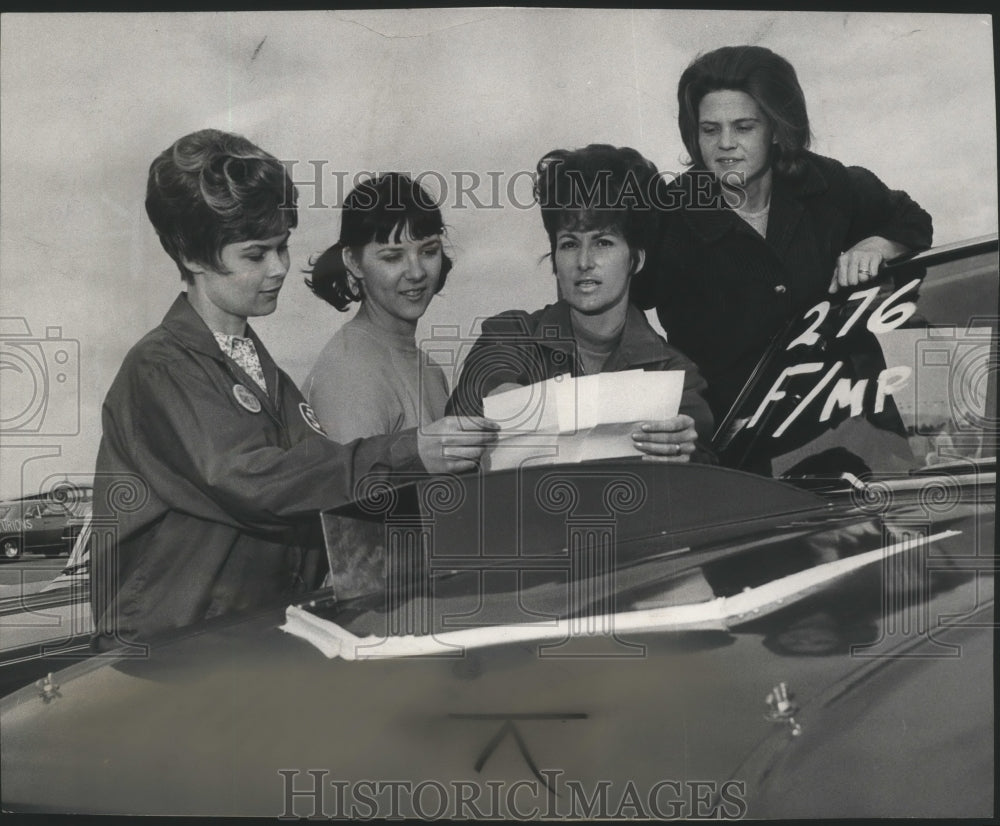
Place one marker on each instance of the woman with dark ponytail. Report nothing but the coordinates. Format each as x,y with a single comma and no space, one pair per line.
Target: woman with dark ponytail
371,378
212,468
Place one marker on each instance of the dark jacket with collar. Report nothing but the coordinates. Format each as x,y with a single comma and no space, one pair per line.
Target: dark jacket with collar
207,488
722,291
524,348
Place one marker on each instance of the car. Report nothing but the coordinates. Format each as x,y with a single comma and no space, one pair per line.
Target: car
804,629
48,625
44,523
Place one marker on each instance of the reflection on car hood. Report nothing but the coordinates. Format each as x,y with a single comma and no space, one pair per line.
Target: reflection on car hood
243,702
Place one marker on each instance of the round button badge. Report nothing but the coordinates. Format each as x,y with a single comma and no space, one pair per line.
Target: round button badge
246,399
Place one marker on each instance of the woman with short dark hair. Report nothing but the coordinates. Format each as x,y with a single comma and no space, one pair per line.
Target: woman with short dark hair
597,213
212,468
760,228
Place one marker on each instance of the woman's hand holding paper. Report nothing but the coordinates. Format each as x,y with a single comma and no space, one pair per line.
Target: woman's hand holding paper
667,440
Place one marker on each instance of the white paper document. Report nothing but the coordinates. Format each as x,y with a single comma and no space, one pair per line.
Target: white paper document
566,419
718,614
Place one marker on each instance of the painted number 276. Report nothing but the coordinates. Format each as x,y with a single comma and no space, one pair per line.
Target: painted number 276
888,316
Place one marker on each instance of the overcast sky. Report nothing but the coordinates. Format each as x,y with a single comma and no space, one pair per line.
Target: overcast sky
87,101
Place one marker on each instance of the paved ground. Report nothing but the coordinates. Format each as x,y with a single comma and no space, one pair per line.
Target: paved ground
28,575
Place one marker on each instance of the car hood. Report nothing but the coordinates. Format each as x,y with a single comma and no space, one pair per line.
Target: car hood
232,719
237,717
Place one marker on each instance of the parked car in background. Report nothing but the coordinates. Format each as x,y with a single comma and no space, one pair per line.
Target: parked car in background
45,626
803,630
42,524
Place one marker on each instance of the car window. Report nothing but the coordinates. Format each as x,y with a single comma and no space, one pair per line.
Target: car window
894,376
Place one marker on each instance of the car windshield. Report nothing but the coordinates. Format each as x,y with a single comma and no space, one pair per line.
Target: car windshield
896,376
590,546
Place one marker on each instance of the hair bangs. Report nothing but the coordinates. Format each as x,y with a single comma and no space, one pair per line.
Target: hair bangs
384,208
416,224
